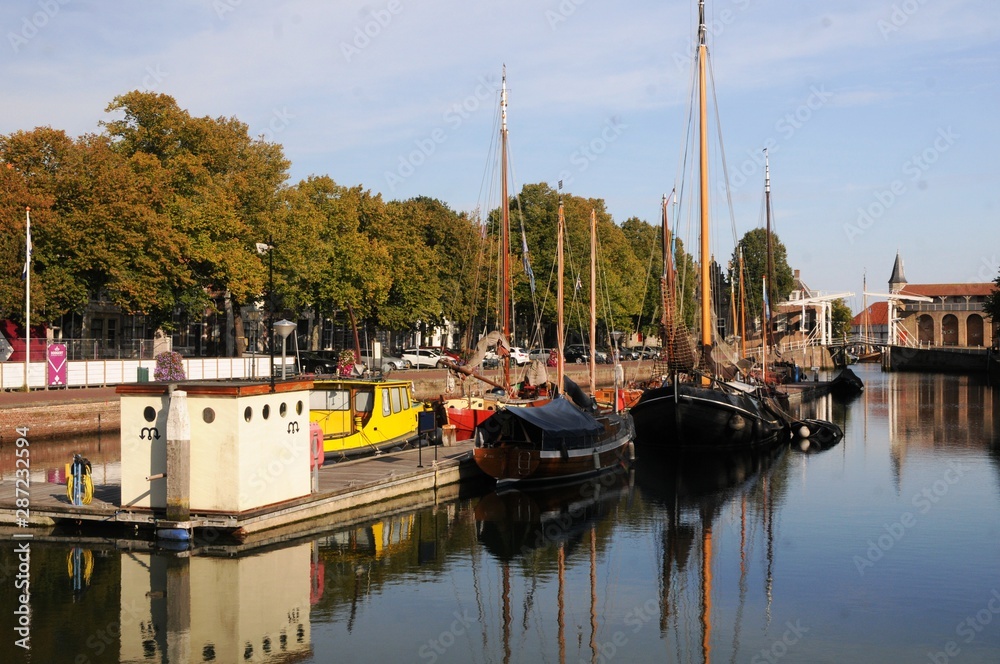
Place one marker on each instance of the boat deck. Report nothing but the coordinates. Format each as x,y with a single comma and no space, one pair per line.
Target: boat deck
343,486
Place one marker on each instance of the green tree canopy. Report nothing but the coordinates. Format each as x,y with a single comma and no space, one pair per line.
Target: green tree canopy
754,247
992,305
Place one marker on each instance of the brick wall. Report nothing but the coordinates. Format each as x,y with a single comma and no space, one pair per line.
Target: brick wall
61,420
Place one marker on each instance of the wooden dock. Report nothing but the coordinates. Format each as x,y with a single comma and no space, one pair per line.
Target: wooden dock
346,488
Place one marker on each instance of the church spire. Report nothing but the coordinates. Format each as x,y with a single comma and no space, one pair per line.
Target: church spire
897,280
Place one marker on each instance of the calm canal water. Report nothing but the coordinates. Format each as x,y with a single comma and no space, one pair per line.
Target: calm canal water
884,548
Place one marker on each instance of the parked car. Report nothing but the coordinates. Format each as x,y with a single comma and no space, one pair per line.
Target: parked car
387,362
577,353
541,354
310,362
423,358
449,353
519,356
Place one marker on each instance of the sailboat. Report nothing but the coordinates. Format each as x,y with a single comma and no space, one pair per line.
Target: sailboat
560,439
466,413
695,406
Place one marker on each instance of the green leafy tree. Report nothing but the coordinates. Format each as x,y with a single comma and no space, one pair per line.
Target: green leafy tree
326,258
841,317
754,246
991,307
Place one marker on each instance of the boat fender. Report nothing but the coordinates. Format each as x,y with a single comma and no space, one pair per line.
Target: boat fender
315,445
630,452
736,422
804,432
597,460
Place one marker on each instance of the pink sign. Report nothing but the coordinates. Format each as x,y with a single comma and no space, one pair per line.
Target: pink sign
57,364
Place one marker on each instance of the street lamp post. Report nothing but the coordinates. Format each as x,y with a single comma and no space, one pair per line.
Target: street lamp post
283,328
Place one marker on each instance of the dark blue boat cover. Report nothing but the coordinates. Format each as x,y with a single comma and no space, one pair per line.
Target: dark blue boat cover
558,418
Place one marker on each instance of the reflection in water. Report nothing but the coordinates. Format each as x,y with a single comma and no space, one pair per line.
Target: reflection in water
527,527
707,560
195,609
692,489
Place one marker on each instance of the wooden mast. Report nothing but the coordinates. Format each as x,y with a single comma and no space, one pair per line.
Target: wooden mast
505,285
770,247
593,301
706,256
560,342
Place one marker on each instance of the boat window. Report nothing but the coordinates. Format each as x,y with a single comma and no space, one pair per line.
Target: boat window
395,399
386,406
406,399
363,401
330,400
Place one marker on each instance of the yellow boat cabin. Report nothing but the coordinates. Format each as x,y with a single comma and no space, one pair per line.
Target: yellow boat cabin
360,416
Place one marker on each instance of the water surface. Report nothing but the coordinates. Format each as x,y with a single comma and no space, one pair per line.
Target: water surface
885,547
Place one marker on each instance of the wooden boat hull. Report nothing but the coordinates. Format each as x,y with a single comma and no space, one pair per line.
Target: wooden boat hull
534,460
688,416
512,464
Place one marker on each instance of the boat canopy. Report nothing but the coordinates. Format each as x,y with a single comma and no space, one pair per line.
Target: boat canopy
558,418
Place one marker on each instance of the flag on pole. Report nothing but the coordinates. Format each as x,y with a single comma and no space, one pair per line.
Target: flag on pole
767,305
27,244
527,263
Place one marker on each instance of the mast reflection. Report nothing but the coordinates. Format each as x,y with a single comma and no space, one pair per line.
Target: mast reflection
692,489
543,529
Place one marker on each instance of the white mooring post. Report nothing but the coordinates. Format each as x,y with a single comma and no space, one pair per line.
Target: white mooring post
178,458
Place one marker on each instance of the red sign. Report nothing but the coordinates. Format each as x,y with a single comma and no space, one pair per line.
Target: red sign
57,364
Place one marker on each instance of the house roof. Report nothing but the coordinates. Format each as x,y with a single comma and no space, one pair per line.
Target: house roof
878,314
942,290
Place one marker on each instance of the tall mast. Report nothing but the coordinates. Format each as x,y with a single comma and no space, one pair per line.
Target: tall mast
593,300
560,342
706,257
743,310
505,285
770,248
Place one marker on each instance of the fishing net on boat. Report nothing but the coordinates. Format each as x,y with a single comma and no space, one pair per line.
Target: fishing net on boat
679,350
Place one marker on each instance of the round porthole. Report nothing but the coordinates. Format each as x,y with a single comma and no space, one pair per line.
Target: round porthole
266,411
283,409
149,413
208,415
247,413
298,408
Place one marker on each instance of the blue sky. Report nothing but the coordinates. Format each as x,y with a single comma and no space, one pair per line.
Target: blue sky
881,116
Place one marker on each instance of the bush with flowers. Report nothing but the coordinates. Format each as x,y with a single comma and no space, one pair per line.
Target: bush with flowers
345,362
169,367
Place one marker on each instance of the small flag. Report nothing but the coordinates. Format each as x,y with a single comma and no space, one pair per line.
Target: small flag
767,305
527,264
560,185
27,245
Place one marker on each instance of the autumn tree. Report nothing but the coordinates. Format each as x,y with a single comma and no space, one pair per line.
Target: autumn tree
218,199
